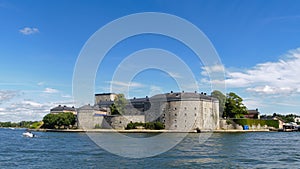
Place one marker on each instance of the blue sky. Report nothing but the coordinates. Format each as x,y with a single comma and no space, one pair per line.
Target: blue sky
257,42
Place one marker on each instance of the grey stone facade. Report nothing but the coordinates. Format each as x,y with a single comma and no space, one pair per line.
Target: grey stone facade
184,111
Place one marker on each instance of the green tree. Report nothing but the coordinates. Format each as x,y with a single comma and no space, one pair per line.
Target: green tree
222,99
118,107
234,107
59,120
50,121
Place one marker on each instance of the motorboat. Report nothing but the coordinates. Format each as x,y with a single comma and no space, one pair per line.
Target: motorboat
28,134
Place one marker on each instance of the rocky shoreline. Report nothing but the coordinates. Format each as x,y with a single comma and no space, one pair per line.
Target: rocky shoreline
147,131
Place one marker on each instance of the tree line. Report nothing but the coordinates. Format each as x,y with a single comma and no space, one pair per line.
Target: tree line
22,124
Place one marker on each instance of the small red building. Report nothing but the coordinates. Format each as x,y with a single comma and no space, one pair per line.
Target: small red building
252,114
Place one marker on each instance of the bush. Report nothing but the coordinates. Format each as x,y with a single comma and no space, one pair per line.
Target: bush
250,122
148,125
159,126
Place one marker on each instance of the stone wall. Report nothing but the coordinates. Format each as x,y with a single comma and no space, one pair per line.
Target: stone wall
88,119
120,122
230,125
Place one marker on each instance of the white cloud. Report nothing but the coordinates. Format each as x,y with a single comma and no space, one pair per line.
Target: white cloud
28,110
272,90
29,31
281,77
6,95
124,84
40,83
31,103
24,110
212,69
155,90
66,96
175,75
50,90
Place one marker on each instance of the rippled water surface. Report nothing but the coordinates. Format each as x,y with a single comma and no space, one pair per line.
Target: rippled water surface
76,150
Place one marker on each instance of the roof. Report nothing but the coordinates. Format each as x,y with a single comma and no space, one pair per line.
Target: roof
94,107
105,103
278,118
63,108
101,94
253,111
134,100
182,96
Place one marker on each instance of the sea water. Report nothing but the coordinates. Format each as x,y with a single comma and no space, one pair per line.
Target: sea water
220,150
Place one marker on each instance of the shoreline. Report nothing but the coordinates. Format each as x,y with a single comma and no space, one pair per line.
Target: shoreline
145,131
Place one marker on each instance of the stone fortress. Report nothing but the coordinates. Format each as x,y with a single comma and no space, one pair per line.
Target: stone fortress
181,111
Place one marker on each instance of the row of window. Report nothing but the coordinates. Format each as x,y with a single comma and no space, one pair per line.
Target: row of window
185,108
164,115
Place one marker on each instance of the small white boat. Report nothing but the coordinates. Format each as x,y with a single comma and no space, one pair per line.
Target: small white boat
28,134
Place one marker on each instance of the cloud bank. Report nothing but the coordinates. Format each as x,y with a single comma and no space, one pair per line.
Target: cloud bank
270,78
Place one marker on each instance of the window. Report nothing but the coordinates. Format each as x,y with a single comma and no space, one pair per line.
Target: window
175,125
184,108
175,108
175,121
184,114
195,114
120,122
195,108
175,114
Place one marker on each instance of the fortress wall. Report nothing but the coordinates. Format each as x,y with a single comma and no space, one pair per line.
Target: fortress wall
86,119
120,122
186,112
155,111
190,114
210,115
181,115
